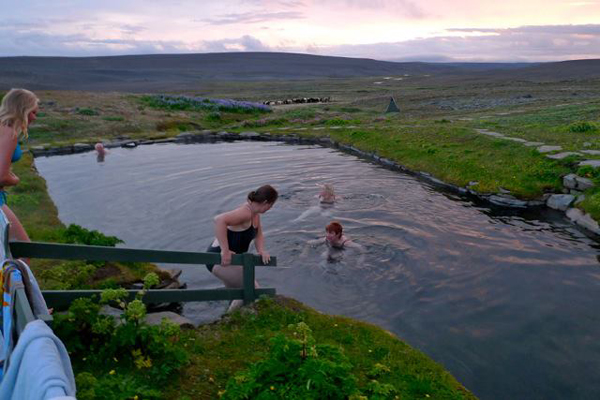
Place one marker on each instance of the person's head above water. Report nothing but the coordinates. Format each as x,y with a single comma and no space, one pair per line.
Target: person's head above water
334,231
265,196
327,194
19,109
100,148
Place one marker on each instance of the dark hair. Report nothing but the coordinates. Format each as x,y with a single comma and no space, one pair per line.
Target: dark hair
264,193
334,227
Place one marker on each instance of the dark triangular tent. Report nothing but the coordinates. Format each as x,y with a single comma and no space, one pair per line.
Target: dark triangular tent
392,107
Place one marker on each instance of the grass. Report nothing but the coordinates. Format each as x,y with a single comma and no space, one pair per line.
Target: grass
232,344
435,133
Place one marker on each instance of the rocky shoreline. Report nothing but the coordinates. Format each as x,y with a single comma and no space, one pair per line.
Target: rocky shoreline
573,184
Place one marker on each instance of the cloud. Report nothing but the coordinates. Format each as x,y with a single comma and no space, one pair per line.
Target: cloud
525,43
244,43
528,43
403,7
253,17
590,29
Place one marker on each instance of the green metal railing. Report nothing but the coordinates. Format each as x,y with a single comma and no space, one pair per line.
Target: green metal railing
62,298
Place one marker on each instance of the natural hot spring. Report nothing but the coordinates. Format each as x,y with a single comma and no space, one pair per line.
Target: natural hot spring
505,300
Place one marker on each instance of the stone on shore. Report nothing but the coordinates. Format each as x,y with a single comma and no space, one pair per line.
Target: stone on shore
591,163
560,201
156,319
576,182
584,220
560,156
548,149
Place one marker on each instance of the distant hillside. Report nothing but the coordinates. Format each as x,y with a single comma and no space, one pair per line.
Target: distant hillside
147,73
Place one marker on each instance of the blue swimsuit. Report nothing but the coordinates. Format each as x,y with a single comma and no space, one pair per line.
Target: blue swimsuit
239,242
15,157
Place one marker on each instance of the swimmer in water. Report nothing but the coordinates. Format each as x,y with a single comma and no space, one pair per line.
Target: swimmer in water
326,198
327,195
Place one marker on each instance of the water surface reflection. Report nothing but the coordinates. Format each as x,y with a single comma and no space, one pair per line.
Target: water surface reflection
505,300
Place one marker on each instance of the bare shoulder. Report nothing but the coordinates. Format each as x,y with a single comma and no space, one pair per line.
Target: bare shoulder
237,216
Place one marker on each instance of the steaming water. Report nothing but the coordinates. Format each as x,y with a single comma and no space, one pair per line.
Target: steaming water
507,301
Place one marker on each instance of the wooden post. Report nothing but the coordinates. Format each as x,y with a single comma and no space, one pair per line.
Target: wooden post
248,263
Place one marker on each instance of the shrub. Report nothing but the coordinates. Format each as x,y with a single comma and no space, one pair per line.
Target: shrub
86,111
129,357
296,368
582,127
117,118
214,116
185,103
77,234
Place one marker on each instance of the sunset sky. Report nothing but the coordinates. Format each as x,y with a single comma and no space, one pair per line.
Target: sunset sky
403,30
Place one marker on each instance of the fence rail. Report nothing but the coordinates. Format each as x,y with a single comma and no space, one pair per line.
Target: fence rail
62,298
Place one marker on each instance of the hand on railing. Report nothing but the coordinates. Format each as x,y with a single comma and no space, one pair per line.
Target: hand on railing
226,257
265,257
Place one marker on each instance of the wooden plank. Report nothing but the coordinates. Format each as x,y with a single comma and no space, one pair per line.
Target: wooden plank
248,279
101,253
23,314
63,298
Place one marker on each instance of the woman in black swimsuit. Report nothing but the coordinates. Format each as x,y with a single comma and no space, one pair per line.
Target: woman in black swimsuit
235,230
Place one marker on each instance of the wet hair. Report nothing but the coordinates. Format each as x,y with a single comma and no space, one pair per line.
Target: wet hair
15,108
327,190
334,227
264,193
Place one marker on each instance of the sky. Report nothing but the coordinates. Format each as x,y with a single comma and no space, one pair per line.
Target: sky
397,30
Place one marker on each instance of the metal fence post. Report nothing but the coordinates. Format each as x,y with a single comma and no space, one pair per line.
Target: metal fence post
249,295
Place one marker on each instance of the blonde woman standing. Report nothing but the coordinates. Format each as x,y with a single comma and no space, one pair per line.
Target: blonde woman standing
18,110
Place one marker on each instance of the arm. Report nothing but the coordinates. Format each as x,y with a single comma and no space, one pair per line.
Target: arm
352,245
8,143
222,221
259,243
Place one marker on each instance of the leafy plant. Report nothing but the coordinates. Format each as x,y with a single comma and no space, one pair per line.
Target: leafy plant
86,111
114,119
128,354
296,368
582,127
77,234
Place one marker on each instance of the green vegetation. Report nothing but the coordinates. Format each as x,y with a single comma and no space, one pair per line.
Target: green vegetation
87,111
250,351
435,133
120,360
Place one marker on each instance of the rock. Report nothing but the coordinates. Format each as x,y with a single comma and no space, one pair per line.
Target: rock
489,133
560,201
592,152
82,147
560,156
116,313
592,163
514,139
580,199
584,220
249,134
156,319
173,273
587,144
548,149
576,182
503,191
167,140
531,144
507,201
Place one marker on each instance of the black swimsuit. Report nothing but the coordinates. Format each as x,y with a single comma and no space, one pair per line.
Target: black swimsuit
239,242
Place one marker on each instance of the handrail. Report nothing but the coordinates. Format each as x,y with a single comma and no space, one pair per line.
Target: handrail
62,251
59,298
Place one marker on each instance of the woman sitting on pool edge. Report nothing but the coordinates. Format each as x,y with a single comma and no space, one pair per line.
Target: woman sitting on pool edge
234,231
